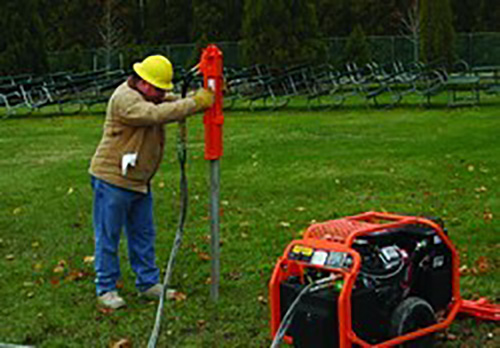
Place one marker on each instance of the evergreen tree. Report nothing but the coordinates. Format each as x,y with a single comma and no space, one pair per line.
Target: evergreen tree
280,32
208,20
476,15
22,47
334,17
437,34
357,49
166,21
377,17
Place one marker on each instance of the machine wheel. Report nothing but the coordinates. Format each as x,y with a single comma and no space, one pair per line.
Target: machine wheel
411,314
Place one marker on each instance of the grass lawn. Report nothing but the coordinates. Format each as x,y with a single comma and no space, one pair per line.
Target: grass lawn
280,171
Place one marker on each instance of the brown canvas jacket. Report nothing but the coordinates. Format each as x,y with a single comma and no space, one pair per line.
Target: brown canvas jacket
135,126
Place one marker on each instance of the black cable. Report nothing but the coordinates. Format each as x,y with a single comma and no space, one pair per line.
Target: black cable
181,155
286,321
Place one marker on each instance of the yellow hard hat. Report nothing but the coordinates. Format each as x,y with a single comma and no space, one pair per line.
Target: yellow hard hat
157,70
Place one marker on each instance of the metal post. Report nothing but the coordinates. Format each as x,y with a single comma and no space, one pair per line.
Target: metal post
211,66
214,227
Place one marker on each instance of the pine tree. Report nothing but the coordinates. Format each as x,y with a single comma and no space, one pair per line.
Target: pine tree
437,34
357,49
334,17
280,32
22,48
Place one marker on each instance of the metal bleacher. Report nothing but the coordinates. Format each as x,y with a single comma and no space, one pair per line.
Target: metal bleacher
270,88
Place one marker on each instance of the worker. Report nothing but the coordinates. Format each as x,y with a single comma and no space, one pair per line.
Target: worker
126,159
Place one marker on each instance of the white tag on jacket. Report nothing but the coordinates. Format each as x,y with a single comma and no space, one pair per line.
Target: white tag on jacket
129,159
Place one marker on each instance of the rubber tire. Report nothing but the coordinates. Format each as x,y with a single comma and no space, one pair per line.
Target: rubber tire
411,314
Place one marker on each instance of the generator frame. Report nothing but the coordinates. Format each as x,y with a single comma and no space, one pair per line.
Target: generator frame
374,222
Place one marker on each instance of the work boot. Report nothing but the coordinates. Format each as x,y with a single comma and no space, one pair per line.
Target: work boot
154,292
111,300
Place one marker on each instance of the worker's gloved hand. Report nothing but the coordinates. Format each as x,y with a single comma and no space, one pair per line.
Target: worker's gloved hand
204,98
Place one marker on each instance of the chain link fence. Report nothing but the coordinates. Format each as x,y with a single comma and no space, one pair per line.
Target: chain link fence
477,49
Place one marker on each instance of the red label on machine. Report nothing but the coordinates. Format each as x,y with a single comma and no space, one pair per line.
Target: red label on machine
211,67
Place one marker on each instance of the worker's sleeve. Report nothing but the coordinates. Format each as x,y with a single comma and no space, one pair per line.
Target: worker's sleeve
170,97
143,113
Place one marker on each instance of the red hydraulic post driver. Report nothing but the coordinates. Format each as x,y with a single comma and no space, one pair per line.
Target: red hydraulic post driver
211,67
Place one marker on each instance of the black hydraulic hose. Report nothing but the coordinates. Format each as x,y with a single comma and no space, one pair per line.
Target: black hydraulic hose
286,321
181,155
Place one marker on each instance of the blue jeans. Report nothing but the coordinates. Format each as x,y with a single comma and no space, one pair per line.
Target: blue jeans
116,208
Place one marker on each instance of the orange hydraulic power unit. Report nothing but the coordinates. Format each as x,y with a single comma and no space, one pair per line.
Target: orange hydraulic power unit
211,64
373,280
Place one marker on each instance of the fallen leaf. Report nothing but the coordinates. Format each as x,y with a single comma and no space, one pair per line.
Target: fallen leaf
300,208
208,281
28,284
451,337
76,275
226,203
464,270
105,310
284,224
180,296
262,299
161,184
204,256
123,343
35,244
244,235
70,191
54,281
58,269
470,168
88,260
201,323
245,224
482,264
30,294
37,266
17,211
9,257
480,189
487,216
235,275
120,284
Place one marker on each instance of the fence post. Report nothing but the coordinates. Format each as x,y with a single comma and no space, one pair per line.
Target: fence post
393,46
469,50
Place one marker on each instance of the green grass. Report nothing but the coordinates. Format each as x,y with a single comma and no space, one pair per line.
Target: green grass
279,169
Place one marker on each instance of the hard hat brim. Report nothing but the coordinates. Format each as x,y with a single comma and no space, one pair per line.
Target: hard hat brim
143,74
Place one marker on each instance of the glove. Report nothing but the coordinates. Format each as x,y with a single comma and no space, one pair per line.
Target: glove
204,98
